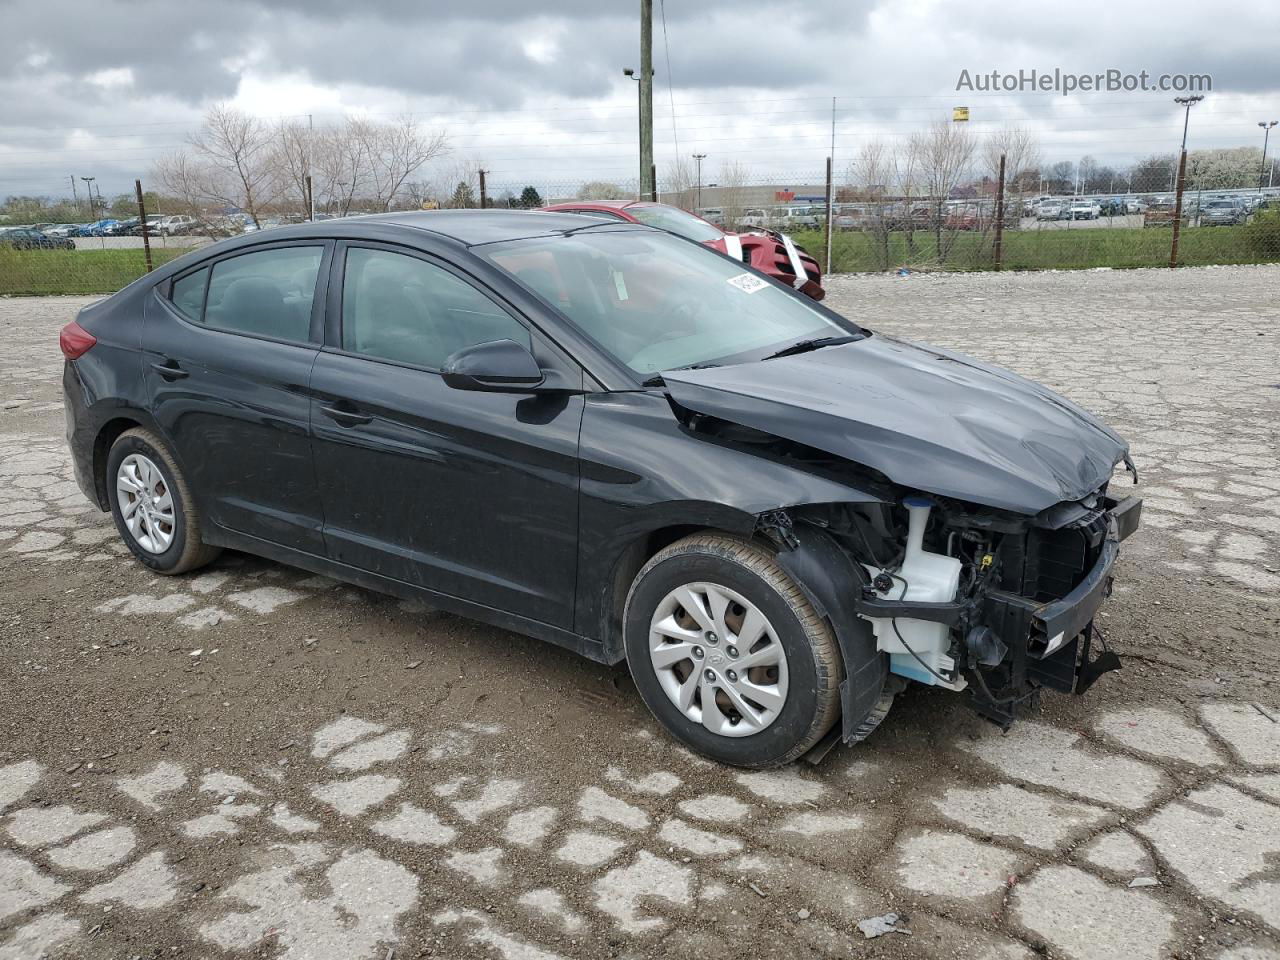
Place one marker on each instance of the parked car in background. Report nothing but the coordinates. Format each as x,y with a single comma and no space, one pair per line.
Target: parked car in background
773,254
610,438
1135,205
1051,210
1219,213
29,238
61,230
98,228
755,218
1161,214
176,225
1083,209
123,228
962,217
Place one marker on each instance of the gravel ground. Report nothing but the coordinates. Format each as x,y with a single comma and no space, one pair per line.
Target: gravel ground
250,761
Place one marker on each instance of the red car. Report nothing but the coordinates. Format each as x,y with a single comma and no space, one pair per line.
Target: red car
771,253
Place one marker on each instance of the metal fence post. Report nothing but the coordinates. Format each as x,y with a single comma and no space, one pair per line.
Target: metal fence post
142,219
997,248
1177,209
829,209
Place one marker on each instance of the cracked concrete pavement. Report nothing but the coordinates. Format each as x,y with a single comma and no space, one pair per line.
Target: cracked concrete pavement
252,760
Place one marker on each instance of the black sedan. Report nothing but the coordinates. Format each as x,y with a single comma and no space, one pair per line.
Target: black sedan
617,440
27,238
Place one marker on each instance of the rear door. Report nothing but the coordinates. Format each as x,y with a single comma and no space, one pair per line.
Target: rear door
228,351
470,494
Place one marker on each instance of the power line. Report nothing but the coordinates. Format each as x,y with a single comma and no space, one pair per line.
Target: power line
666,47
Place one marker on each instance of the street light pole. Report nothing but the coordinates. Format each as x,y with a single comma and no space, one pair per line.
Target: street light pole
1187,103
628,72
697,204
88,186
1266,136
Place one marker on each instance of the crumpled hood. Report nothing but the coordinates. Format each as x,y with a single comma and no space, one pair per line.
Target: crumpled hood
926,418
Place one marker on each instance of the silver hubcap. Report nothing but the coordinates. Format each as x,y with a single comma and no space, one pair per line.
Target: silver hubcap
146,504
718,659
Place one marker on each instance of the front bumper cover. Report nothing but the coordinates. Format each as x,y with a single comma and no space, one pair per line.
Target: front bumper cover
1050,642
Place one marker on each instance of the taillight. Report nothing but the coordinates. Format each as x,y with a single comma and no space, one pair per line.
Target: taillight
75,341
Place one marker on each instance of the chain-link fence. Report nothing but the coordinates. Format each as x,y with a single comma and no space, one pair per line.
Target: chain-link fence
872,228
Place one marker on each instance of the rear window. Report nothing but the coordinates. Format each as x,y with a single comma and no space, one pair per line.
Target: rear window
677,221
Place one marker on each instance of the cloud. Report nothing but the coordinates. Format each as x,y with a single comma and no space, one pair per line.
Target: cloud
537,89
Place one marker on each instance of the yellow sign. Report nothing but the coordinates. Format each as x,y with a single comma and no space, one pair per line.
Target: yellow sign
430,205
959,113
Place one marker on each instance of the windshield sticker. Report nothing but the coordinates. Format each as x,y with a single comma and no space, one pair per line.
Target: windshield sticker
747,283
620,285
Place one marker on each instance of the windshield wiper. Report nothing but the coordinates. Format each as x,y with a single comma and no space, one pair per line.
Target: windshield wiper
805,346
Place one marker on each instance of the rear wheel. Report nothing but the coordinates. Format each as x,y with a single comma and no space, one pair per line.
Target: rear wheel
153,509
729,654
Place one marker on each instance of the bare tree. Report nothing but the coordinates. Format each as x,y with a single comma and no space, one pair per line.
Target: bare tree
1020,148
293,159
734,179
601,190
339,172
233,161
183,181
679,183
393,152
945,153
873,171
1021,151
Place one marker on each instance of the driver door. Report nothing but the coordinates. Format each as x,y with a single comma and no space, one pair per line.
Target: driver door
470,494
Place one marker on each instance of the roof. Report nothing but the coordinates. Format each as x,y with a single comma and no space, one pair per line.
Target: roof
610,204
473,227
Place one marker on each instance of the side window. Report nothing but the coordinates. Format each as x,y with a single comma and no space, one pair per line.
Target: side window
267,293
188,294
401,308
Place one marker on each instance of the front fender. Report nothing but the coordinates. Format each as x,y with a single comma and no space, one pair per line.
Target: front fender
644,474
831,580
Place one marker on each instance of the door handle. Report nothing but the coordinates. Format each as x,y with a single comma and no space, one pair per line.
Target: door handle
345,418
170,370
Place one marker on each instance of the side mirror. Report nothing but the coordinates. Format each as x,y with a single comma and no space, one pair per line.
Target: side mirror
499,366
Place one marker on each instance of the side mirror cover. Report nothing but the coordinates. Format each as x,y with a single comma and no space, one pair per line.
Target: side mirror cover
498,366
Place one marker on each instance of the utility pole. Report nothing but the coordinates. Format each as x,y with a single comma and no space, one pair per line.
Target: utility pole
697,204
311,140
646,99
831,159
142,221
75,197
1266,136
484,196
997,247
1187,103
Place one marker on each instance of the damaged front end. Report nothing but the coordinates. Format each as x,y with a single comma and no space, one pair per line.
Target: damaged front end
979,600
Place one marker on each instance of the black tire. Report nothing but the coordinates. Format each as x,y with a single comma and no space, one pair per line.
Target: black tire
188,551
813,657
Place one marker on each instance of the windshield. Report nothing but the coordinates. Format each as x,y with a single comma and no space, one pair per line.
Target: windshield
675,220
656,302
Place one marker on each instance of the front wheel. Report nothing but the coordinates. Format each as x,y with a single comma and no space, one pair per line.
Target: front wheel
729,654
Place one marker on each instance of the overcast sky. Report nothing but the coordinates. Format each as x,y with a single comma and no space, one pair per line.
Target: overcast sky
535,91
